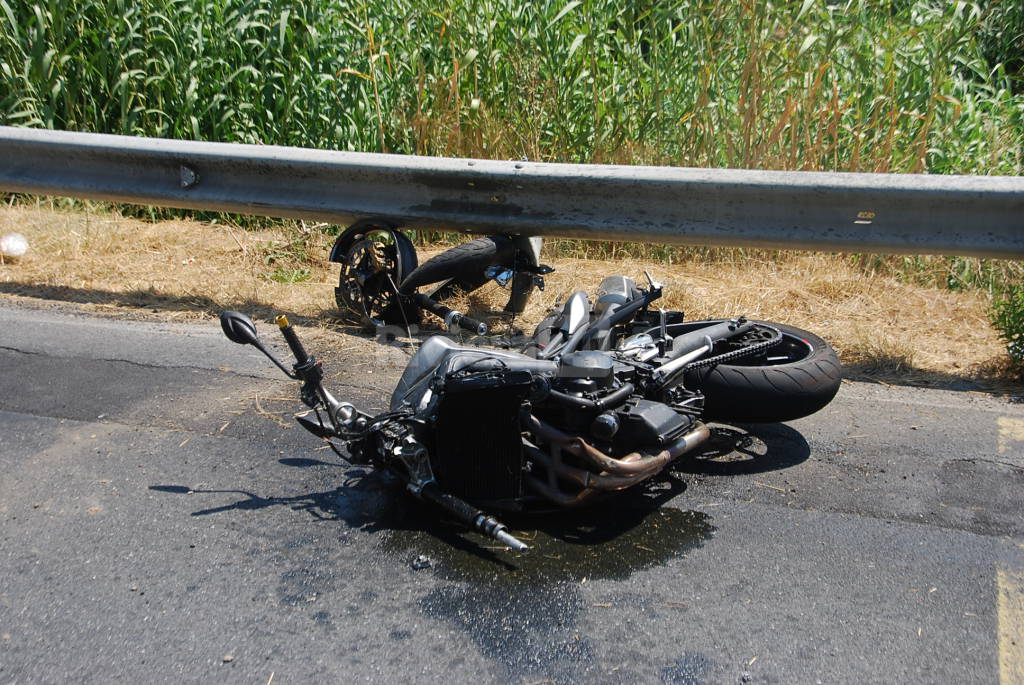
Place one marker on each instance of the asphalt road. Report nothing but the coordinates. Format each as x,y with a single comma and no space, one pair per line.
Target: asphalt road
155,527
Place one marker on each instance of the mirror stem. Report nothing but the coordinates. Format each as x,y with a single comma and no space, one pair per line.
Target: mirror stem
259,346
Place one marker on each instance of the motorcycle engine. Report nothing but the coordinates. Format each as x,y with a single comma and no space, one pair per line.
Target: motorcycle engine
586,372
624,425
643,422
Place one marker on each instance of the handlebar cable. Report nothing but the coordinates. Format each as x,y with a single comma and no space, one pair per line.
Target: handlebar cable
474,361
528,344
401,310
397,415
330,442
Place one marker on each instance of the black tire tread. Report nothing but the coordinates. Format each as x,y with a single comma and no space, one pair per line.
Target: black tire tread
769,394
464,264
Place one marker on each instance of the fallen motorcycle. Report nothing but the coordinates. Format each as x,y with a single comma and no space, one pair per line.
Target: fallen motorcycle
604,396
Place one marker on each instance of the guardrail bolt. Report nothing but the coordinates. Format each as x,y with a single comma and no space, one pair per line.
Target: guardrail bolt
189,177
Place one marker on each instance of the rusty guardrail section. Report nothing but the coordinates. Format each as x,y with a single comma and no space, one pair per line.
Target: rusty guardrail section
964,215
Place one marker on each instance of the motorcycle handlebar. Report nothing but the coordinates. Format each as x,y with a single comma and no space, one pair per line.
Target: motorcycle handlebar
471,516
451,317
294,344
472,325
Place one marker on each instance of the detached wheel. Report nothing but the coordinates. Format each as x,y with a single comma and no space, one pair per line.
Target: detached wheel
791,380
375,257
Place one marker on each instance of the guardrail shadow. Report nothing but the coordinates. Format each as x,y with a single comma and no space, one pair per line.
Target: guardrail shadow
891,372
154,302
995,376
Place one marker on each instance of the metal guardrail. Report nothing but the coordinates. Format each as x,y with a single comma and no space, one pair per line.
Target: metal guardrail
962,215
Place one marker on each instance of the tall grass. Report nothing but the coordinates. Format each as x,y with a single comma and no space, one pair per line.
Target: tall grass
795,84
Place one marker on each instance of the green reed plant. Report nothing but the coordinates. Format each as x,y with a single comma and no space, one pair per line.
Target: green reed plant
795,84
1007,316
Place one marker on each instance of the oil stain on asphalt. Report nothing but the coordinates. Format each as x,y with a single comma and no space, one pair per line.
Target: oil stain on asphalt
522,612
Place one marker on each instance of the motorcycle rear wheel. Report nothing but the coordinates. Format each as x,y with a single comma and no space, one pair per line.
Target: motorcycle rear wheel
794,379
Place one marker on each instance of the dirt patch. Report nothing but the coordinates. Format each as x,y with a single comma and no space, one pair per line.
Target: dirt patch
883,329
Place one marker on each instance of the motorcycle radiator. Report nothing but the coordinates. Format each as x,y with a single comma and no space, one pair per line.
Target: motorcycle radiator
478,449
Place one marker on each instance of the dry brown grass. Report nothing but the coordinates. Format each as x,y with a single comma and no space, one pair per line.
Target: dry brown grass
881,327
184,269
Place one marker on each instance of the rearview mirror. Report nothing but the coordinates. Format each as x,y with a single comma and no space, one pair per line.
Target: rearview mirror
239,328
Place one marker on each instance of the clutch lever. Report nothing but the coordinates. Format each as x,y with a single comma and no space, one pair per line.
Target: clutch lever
654,285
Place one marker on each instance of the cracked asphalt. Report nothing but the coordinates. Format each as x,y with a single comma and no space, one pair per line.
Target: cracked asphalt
156,527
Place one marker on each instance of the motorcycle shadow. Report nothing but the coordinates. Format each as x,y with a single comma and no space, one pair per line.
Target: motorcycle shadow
363,499
746,449
611,538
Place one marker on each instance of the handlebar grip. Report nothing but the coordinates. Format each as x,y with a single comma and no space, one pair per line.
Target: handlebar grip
472,325
451,317
293,340
471,516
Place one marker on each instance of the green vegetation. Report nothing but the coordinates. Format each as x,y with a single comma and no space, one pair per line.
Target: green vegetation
291,258
282,275
1007,317
930,86
872,86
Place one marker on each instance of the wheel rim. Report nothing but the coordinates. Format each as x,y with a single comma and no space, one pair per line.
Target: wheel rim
789,350
369,276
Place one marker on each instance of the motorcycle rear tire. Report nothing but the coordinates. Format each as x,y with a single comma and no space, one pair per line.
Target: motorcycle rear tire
773,392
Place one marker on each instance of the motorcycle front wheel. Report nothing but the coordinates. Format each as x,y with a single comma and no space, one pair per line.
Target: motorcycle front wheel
462,267
791,380
375,257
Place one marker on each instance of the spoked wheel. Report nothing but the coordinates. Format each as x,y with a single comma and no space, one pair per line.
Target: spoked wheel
376,258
